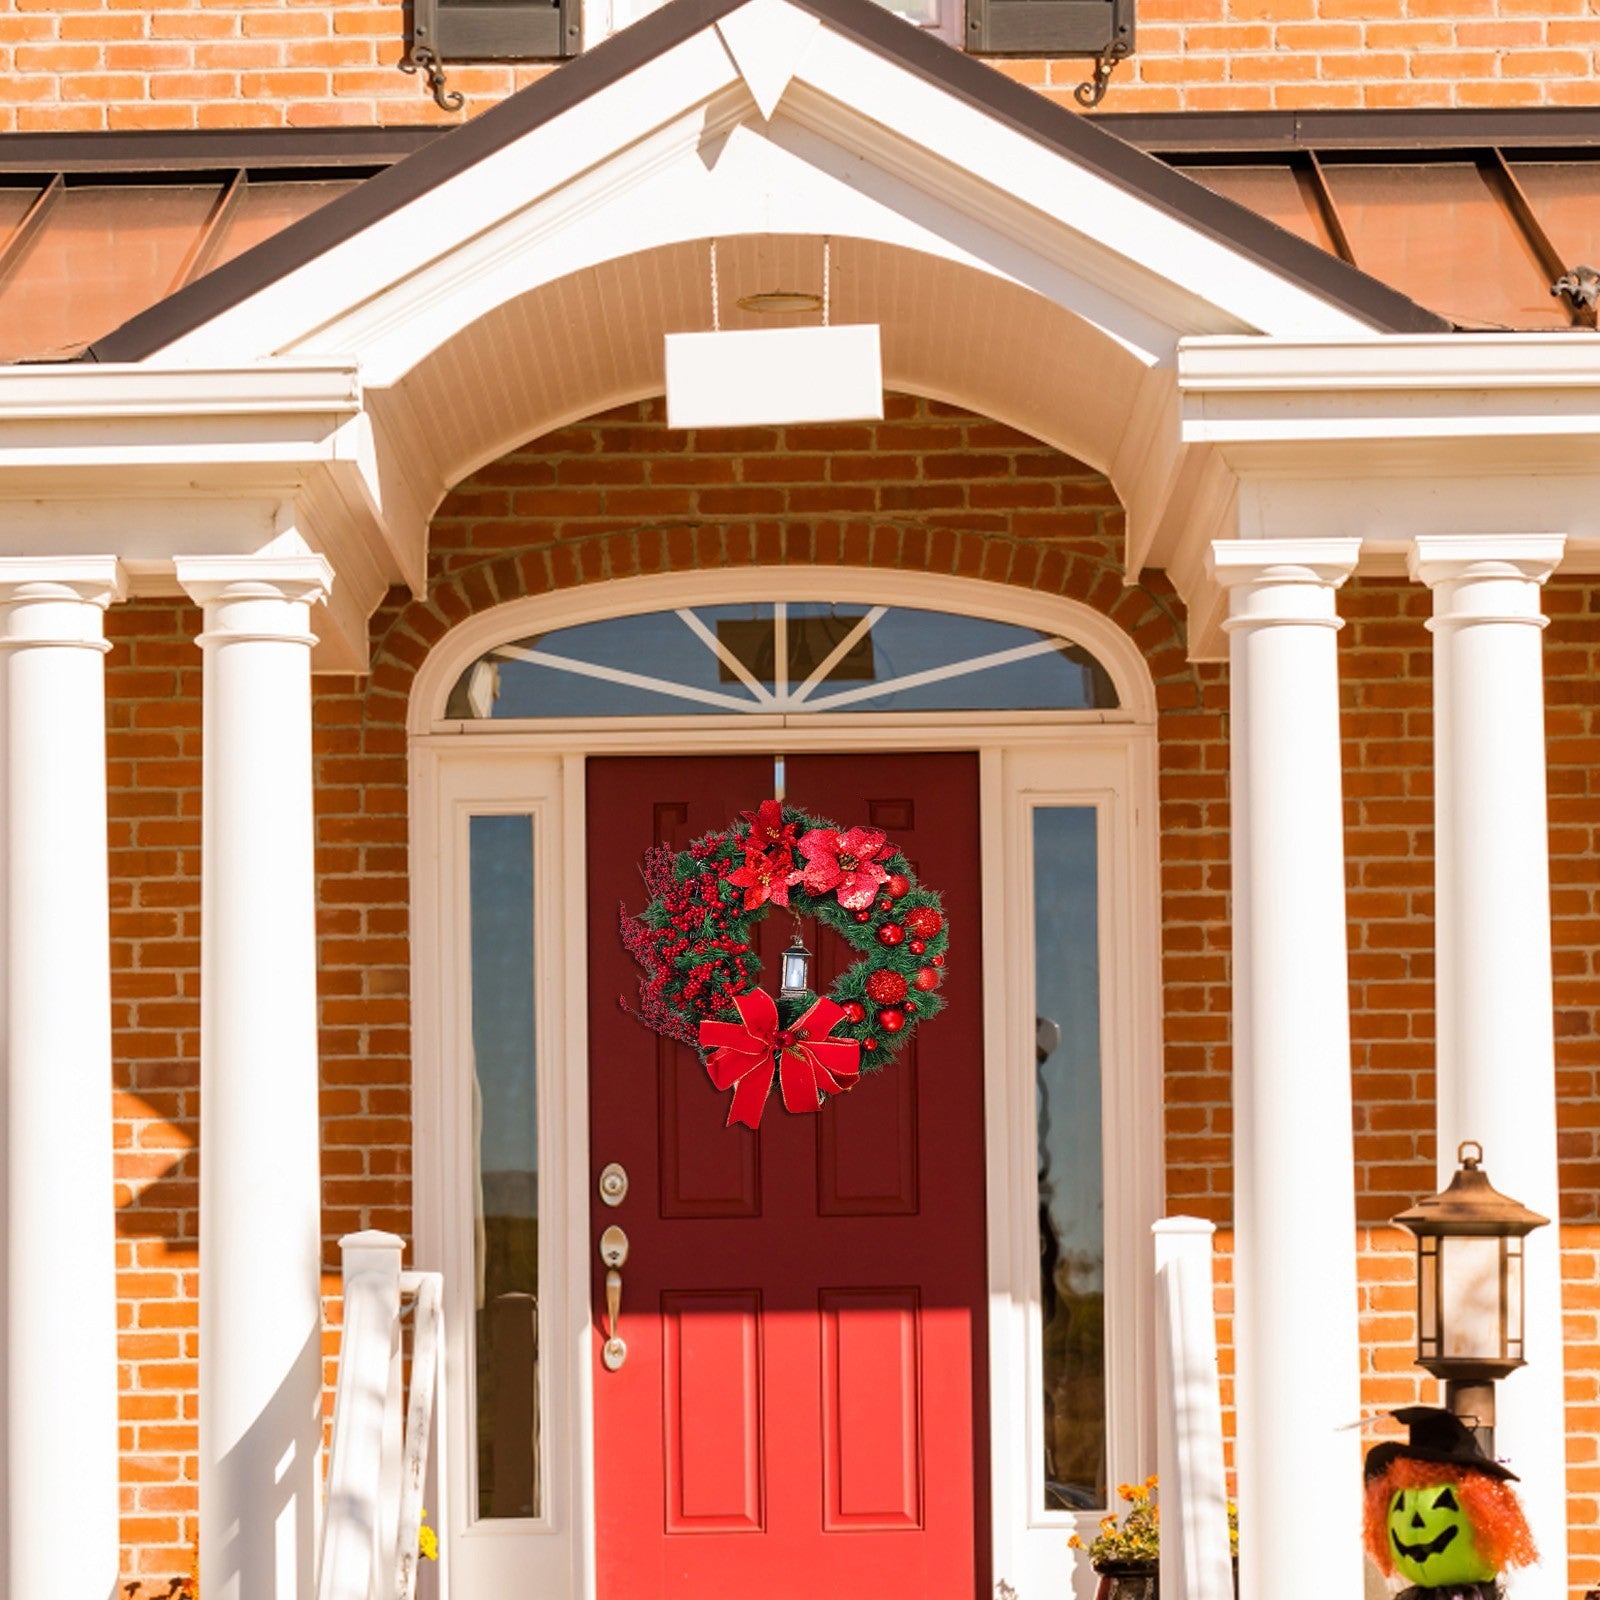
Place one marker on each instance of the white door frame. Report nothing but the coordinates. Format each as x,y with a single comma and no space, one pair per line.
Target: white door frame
1104,759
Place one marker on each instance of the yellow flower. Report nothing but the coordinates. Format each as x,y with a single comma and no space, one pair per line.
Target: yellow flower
1151,1481
427,1540
1074,1543
1127,1491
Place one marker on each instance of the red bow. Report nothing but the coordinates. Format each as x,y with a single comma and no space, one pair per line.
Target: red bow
744,1055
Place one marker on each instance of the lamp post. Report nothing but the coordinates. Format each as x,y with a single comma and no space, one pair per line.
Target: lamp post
1469,1288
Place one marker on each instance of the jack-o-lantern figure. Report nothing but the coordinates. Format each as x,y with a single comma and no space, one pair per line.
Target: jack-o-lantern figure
1440,1513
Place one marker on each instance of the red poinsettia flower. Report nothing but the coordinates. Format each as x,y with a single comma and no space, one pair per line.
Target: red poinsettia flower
846,861
768,831
765,877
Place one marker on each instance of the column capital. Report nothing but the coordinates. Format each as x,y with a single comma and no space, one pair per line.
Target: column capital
1282,581
1519,560
1485,579
264,599
57,600
301,579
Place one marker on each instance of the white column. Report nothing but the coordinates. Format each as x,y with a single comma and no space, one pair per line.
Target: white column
1496,1050
58,1337
260,1191
1295,1313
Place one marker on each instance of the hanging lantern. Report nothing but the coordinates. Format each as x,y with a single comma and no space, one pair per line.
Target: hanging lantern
1470,1285
796,971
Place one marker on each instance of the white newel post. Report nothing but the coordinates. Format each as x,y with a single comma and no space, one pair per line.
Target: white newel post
260,1192
1295,1315
58,1340
1496,1049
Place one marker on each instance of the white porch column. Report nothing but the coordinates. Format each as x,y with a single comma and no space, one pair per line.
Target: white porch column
1295,1316
58,1338
1496,1052
260,1192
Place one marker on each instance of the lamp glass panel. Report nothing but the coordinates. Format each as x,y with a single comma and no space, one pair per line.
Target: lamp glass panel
1514,1293
1428,1295
506,1167
1469,1276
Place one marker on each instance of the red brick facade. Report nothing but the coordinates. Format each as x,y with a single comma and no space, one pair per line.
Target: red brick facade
99,64
930,488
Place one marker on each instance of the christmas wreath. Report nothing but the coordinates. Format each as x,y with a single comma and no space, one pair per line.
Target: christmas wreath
700,971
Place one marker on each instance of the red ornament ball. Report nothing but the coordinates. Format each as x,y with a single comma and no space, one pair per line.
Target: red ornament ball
918,946
937,961
926,978
887,988
924,921
869,1044
891,933
891,1021
898,885
886,904
909,1007
863,916
855,1011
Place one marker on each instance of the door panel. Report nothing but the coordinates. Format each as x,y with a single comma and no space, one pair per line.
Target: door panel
802,1408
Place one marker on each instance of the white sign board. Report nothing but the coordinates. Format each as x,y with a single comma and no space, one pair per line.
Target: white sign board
774,375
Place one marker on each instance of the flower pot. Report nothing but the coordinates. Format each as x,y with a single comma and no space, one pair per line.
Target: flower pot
1127,1580
1136,1580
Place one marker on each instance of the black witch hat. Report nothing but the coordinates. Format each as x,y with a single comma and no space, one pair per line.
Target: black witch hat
1435,1436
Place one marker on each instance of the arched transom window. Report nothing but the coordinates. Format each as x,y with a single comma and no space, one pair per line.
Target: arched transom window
793,658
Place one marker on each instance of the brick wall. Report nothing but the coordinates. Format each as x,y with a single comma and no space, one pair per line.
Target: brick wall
87,64
930,488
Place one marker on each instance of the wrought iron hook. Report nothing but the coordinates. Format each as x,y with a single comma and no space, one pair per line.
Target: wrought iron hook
422,59
1092,92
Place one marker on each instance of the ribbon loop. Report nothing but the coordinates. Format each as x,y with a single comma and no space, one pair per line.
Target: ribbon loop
744,1056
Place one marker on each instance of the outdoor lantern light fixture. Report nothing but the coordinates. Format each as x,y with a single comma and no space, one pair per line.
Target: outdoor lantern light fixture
1470,1288
796,970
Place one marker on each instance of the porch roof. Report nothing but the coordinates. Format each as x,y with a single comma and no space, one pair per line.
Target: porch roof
1288,253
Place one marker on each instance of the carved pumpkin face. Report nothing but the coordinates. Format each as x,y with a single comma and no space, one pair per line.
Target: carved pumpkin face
1431,1539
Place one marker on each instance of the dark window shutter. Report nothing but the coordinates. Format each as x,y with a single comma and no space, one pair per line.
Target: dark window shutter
1049,27
497,30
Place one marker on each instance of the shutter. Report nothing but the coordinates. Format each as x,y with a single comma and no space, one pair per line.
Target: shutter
1049,27
496,30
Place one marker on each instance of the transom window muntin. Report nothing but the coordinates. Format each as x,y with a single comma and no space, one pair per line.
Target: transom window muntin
788,658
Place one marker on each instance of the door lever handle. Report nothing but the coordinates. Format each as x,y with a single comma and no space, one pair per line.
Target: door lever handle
614,1253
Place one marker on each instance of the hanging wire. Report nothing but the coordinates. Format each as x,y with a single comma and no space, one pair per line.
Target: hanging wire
716,310
827,246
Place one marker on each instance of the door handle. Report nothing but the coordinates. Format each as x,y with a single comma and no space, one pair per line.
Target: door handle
614,1253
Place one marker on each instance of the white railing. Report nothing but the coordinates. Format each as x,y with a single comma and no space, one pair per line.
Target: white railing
1195,1561
379,1456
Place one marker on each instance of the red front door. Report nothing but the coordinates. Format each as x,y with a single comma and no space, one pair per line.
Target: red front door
803,1407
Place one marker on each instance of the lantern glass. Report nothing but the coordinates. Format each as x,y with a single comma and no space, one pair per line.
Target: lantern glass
1470,1308
1428,1296
1514,1297
796,970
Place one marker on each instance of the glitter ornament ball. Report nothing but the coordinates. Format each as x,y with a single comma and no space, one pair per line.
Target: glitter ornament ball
891,1021
924,921
898,885
887,988
891,933
926,979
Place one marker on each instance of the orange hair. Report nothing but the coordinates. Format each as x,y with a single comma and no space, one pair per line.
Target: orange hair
1498,1525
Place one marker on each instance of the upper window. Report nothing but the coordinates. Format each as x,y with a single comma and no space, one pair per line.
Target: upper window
787,658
